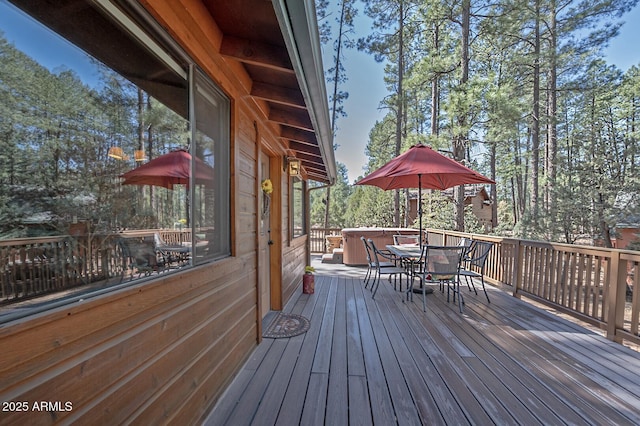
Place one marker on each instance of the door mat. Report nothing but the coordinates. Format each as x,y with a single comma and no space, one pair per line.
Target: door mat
286,325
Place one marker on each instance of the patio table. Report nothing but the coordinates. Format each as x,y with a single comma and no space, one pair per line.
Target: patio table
411,254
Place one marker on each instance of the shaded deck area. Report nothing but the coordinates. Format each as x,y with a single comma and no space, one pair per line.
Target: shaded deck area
384,362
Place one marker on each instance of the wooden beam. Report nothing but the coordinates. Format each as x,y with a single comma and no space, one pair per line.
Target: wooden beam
256,53
294,118
305,156
320,177
297,135
311,169
309,149
278,94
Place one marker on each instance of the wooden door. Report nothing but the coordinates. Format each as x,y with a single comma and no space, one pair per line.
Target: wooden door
264,239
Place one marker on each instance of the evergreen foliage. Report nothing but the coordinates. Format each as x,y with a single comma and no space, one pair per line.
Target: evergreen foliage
55,133
535,109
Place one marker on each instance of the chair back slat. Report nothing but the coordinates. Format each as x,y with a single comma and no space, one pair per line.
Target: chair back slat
443,262
367,250
478,253
375,252
409,240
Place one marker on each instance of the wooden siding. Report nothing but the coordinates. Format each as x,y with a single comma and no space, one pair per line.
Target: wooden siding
129,353
481,210
163,350
294,261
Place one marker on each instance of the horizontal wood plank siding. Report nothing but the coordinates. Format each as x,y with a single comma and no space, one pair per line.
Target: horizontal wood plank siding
294,258
128,349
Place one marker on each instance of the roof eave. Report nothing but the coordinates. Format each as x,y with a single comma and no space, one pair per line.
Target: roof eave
299,27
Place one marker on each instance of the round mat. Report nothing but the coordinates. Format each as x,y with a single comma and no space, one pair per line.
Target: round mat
286,325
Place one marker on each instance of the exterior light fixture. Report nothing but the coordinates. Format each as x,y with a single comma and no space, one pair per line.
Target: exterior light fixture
294,166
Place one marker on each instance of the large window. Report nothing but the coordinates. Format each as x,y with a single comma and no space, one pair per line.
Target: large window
298,222
211,194
105,176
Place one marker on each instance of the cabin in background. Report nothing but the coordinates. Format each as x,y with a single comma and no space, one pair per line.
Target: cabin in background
626,233
247,77
474,195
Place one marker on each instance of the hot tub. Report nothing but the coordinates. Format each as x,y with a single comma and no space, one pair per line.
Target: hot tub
354,252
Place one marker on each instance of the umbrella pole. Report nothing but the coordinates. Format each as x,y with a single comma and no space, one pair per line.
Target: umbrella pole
420,206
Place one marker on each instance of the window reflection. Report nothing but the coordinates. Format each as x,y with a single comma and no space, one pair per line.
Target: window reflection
298,225
96,165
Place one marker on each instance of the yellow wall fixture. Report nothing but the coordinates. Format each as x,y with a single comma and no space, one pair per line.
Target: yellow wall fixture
116,152
294,166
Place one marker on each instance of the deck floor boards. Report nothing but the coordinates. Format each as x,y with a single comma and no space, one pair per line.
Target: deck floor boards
385,361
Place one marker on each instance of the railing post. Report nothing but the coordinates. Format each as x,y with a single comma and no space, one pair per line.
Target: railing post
616,296
517,268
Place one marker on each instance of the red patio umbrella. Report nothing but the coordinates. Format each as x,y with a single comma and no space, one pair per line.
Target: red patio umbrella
168,170
422,167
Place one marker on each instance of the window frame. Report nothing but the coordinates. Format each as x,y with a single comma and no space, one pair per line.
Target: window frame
293,214
199,83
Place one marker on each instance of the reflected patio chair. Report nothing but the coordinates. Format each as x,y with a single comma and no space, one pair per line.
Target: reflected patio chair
442,265
173,253
474,264
139,256
401,240
395,271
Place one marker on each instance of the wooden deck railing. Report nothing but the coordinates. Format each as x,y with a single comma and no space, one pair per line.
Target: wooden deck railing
317,238
31,267
592,283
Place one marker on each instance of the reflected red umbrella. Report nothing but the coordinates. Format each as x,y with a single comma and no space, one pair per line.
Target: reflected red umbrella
168,170
422,167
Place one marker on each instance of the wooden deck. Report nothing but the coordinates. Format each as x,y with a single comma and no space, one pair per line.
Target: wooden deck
384,362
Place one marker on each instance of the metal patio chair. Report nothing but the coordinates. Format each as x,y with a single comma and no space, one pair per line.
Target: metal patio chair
395,271
139,256
442,265
474,264
371,263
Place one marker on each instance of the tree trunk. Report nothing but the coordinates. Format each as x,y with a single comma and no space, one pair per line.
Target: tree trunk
140,144
602,223
493,195
460,139
535,123
552,131
400,105
334,107
153,199
435,89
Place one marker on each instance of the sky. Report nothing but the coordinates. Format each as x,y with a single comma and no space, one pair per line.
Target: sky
365,83
366,89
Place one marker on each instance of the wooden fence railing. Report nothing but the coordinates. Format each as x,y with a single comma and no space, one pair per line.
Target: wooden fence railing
31,267
317,238
592,283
